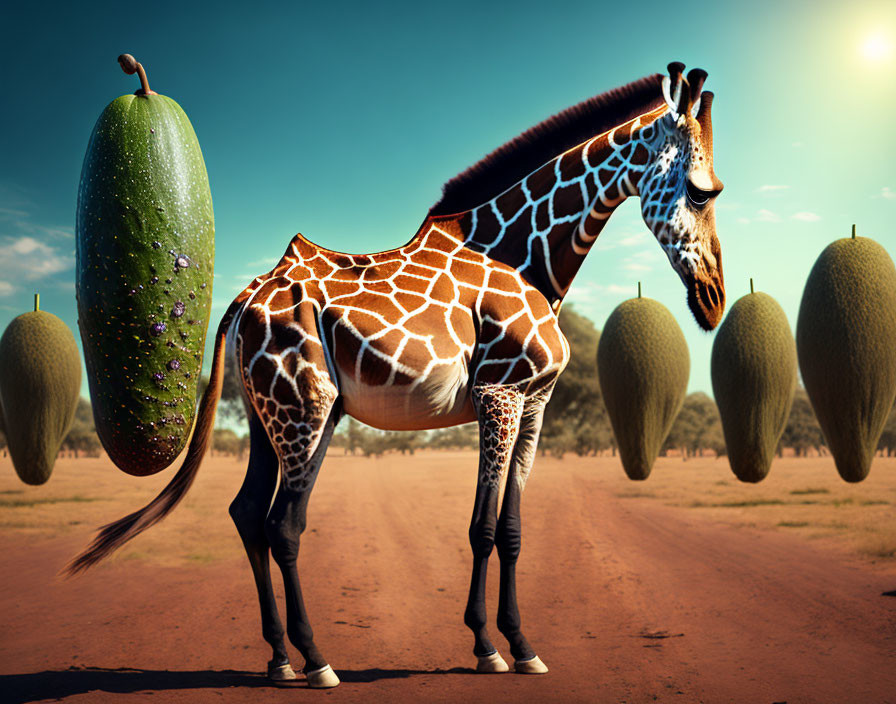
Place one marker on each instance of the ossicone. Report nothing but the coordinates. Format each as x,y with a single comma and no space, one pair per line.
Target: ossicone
683,94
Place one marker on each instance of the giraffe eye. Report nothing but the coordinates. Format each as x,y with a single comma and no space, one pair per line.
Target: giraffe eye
697,196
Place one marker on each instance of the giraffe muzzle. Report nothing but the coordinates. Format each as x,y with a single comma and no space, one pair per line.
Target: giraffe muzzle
706,299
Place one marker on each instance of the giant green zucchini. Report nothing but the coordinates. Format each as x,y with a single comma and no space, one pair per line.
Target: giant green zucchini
145,257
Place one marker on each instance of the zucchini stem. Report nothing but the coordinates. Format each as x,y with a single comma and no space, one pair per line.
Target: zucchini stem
130,65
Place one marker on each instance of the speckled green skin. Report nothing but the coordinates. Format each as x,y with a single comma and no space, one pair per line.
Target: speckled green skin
753,379
846,344
643,365
40,380
144,207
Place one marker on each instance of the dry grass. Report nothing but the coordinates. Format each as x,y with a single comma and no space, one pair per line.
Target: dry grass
83,494
804,497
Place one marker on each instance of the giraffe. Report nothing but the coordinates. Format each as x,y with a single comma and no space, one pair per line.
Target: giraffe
458,325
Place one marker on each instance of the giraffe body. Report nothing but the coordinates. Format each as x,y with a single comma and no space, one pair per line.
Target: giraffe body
399,335
460,324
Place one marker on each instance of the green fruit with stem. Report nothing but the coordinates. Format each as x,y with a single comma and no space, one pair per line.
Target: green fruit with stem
643,366
40,381
145,258
846,345
753,369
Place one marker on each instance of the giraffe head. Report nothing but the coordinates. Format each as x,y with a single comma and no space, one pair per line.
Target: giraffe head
678,189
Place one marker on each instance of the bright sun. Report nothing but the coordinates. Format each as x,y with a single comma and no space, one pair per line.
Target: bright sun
877,47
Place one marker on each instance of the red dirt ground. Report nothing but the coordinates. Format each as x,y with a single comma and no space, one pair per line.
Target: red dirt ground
626,600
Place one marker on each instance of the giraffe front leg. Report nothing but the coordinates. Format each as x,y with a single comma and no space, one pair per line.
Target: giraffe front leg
498,409
508,538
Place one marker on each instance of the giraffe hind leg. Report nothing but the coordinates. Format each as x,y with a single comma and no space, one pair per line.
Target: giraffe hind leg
300,437
248,511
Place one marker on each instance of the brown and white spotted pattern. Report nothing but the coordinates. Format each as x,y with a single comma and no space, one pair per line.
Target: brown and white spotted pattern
546,225
559,210
460,324
401,335
499,410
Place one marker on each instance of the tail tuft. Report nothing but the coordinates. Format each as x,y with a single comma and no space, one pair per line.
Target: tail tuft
114,535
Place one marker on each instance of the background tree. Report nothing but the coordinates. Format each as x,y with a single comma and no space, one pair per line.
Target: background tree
888,437
802,431
576,418
226,441
373,442
230,411
82,437
458,437
714,438
697,426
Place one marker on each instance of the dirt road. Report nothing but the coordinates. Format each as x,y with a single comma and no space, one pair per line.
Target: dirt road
625,600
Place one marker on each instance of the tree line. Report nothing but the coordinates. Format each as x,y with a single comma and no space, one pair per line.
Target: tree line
575,420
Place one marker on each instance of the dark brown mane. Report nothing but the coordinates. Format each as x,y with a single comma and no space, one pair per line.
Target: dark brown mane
523,154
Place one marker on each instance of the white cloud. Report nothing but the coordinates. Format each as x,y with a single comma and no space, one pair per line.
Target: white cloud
26,245
6,288
796,145
25,257
633,240
771,188
805,216
744,221
589,292
767,216
19,222
65,233
885,192
583,293
638,262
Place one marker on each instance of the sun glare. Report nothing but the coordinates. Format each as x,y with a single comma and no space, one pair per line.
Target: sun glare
877,47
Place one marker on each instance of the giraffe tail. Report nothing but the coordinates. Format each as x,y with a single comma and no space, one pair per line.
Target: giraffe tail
114,535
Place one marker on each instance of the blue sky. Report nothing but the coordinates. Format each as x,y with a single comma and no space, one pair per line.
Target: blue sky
342,122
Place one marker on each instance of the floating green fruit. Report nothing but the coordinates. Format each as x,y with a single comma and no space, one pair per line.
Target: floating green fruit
753,379
846,344
643,366
145,256
40,380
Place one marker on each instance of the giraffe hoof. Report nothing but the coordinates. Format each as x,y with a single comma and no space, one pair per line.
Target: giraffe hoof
532,666
492,663
280,673
322,678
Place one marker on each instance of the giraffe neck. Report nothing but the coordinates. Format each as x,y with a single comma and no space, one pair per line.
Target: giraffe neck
545,225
